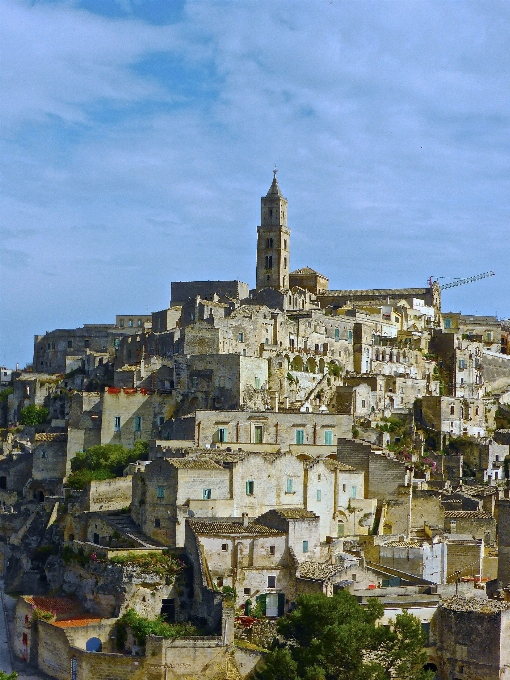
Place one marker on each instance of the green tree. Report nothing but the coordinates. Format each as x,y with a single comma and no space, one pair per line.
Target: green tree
104,461
33,415
335,638
8,676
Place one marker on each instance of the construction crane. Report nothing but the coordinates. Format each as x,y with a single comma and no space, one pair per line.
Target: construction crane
461,282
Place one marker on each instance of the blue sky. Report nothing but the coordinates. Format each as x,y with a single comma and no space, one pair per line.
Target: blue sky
137,137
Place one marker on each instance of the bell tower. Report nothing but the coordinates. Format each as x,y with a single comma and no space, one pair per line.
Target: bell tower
273,240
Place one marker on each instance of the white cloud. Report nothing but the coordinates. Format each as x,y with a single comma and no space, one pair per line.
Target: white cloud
388,121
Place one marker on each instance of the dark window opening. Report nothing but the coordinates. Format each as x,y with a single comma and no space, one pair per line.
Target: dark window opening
168,610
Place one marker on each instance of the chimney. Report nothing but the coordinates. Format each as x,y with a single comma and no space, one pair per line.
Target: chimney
245,519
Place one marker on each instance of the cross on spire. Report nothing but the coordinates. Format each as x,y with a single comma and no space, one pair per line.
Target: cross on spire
275,171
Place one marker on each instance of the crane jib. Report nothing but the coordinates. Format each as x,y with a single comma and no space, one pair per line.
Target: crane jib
469,279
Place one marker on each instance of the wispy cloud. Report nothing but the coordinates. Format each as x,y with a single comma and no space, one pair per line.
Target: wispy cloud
137,140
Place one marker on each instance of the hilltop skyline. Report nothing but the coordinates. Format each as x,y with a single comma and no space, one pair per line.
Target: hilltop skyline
138,140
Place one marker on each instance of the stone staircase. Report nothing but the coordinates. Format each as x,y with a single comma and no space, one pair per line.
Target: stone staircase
127,527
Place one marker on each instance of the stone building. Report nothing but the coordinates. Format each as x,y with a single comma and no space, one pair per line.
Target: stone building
473,639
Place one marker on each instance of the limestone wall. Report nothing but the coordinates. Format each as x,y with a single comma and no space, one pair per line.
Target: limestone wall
108,494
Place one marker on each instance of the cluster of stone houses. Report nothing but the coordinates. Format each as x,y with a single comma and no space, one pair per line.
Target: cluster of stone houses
301,440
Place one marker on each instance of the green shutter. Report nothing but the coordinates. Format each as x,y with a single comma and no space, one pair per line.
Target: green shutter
281,604
262,600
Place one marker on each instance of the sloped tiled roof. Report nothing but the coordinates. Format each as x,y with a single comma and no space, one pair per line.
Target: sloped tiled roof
57,605
306,271
467,514
194,463
76,621
296,513
318,571
51,437
232,528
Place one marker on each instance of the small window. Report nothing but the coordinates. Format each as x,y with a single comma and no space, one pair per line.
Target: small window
161,420
363,403
206,494
160,492
219,581
43,455
157,522
447,323
328,437
349,335
452,410
271,581
285,244
344,487
247,591
305,546
319,495
121,323
139,322
69,344
258,433
130,323
300,436
138,423
240,337
116,423
86,343
353,491
224,547
272,549
116,343
222,434
250,487
290,485
257,383
337,334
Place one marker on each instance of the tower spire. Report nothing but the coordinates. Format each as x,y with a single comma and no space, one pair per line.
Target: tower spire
274,189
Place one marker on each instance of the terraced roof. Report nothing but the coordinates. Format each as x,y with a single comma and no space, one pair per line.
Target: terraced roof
214,528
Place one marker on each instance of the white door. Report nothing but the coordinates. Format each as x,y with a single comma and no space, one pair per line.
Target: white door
272,604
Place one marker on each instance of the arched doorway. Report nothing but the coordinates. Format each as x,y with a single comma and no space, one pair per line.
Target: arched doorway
93,644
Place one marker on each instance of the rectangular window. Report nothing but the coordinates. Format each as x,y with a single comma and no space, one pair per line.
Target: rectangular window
363,403
319,494
250,487
86,344
206,494
116,423
258,434
349,335
138,423
247,591
222,434
224,547
161,420
257,383
240,337
69,344
305,546
447,323
344,487
337,334
353,491
290,485
271,581
328,437
462,363
272,549
160,492
300,436
121,323
157,523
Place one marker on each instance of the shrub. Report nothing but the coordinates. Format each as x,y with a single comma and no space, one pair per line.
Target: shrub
141,627
33,415
154,562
